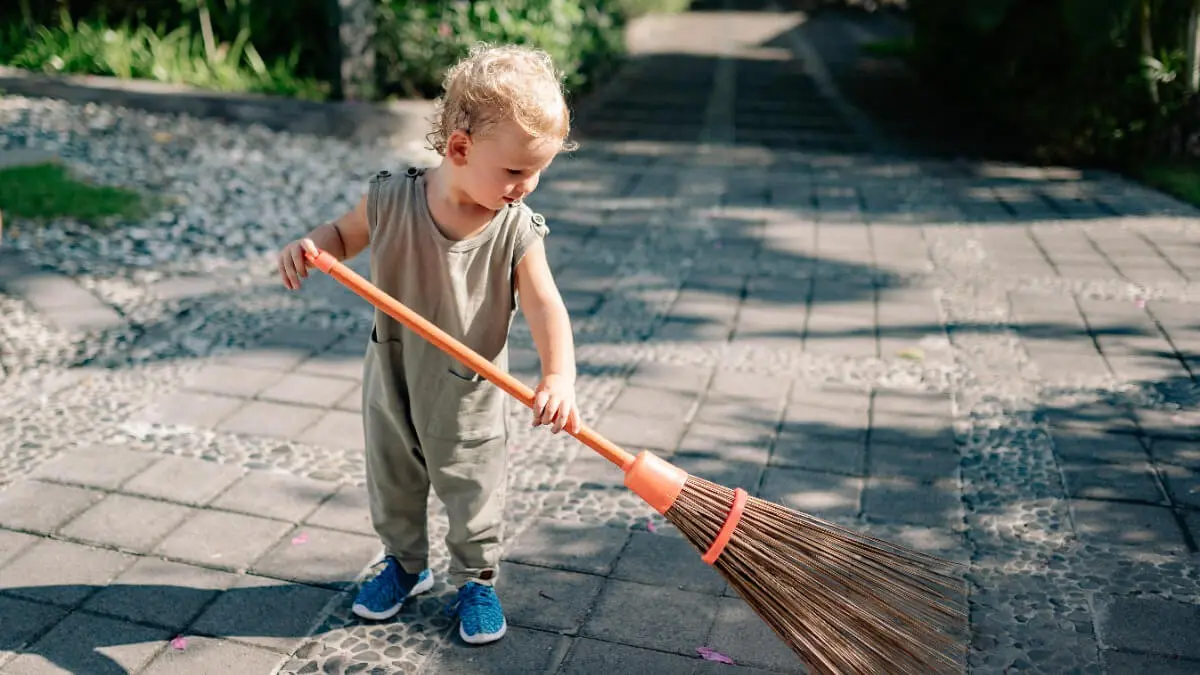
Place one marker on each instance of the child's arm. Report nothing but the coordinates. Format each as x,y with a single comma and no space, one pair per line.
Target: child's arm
551,328
344,238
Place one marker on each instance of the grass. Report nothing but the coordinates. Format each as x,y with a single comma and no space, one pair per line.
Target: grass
47,191
1178,179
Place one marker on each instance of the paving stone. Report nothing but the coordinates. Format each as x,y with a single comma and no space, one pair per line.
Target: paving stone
741,634
820,494
261,418
1132,481
226,540
160,592
334,364
828,415
98,467
337,429
597,474
546,599
637,433
309,390
1113,448
317,556
740,384
352,401
656,560
22,621
233,381
907,461
740,443
348,509
588,657
13,543
190,409
205,656
43,507
1149,625
637,615
128,523
83,643
730,473
1175,451
1150,528
276,358
275,495
799,450
1120,663
727,411
299,336
687,379
264,612
184,480
898,428
1183,484
521,651
1181,423
60,572
916,502
567,546
653,402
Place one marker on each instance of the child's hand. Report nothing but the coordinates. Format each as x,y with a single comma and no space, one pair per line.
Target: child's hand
293,266
554,404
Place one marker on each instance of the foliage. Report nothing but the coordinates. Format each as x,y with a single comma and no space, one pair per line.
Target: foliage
419,39
45,191
1079,78
1180,179
633,9
177,56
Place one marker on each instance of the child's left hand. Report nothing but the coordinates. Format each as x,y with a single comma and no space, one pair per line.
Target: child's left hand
554,404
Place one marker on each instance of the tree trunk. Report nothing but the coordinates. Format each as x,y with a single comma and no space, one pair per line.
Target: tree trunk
354,28
1148,49
1193,48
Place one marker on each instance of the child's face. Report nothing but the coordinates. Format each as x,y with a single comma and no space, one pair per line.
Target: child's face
502,166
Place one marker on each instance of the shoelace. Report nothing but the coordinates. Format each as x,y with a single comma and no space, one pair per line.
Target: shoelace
470,591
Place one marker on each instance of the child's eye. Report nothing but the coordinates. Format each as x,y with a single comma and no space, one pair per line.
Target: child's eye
515,172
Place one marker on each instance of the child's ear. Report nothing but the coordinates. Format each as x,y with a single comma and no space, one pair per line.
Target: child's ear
458,146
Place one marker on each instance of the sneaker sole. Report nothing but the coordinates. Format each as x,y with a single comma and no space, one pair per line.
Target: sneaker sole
482,638
363,612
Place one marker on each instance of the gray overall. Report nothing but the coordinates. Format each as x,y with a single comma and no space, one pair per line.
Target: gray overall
428,419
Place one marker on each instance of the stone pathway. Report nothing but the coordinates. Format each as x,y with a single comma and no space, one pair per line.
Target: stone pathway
994,363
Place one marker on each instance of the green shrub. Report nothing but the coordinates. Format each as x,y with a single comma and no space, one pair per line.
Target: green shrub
1068,75
177,56
418,40
46,191
635,8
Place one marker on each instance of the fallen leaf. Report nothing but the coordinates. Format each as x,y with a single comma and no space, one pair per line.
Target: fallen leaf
710,654
650,526
162,136
301,538
179,642
912,354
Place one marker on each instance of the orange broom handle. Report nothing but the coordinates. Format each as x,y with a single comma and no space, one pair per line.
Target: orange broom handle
327,263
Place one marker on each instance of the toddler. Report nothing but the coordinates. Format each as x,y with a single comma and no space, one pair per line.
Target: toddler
457,245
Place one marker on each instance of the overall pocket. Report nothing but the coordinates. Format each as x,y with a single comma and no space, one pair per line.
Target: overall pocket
466,407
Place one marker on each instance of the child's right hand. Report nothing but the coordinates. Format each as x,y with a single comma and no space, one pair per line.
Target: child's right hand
293,266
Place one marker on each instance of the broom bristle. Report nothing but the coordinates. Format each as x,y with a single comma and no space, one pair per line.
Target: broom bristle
844,602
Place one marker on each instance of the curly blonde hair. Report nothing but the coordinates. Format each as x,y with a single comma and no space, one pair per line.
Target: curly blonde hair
493,84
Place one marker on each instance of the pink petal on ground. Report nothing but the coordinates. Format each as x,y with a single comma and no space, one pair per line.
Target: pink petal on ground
709,654
650,526
1140,302
179,642
301,538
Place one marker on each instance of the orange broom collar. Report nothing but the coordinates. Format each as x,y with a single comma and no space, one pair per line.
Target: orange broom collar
740,497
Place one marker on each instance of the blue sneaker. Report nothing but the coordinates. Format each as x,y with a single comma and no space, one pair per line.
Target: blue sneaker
481,618
381,597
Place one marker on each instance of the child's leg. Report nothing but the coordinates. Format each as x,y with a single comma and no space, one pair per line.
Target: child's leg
397,488
469,477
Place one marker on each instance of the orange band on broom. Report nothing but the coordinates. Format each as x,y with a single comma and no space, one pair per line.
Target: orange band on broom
842,601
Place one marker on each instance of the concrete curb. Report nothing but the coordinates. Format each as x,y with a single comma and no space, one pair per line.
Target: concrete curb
399,124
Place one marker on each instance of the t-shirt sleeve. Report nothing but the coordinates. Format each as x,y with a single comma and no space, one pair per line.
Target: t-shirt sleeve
385,200
531,229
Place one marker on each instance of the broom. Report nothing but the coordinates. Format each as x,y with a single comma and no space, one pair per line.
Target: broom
842,601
